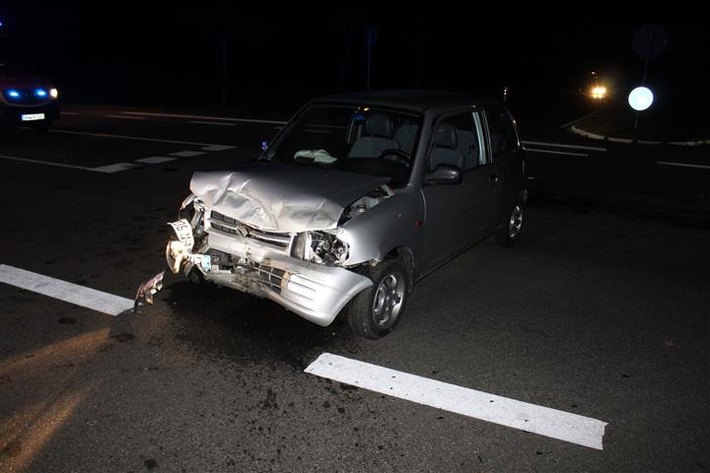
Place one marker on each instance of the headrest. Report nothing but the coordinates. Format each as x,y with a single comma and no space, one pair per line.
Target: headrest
446,136
379,124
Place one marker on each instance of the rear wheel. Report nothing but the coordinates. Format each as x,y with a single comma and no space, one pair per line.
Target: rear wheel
375,311
509,231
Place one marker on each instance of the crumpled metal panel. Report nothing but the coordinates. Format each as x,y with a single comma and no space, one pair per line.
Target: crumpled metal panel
282,198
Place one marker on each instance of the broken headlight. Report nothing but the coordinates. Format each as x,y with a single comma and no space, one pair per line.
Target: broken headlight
320,247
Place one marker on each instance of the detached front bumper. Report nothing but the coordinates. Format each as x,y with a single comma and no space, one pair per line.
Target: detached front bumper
315,292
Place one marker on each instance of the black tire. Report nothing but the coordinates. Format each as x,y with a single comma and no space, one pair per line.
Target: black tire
508,233
376,311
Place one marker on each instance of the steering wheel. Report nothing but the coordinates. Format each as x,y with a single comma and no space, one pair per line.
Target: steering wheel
400,156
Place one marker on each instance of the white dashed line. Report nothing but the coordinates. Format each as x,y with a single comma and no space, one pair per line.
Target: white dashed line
45,163
562,145
187,154
156,160
116,167
520,415
207,117
136,138
683,165
128,117
65,291
198,122
567,153
218,148
528,417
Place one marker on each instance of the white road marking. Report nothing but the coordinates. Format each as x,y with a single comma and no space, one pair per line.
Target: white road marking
207,117
46,163
155,160
116,167
684,165
136,138
218,147
562,145
65,291
528,417
187,154
199,122
111,168
129,117
69,113
568,153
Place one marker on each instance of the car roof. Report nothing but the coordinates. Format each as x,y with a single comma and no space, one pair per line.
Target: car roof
411,100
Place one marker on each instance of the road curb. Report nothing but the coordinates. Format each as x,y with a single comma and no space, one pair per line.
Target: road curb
587,134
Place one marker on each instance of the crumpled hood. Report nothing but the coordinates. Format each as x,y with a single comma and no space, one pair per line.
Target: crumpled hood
282,198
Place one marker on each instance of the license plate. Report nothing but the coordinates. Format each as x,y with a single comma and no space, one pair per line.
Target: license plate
29,117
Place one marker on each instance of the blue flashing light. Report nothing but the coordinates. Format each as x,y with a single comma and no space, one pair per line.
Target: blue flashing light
40,93
13,94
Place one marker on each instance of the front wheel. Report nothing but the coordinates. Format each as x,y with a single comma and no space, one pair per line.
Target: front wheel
375,311
509,231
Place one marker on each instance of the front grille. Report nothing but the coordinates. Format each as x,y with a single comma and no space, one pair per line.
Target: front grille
225,224
268,275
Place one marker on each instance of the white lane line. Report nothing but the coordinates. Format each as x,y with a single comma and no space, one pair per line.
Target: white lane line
116,167
187,154
199,122
207,117
520,415
568,153
684,165
111,168
129,117
218,148
46,163
561,145
156,160
65,291
136,138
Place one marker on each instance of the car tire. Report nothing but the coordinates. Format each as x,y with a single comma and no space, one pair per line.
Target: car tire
375,311
508,233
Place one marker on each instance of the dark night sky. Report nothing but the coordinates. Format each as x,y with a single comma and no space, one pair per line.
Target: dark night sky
174,56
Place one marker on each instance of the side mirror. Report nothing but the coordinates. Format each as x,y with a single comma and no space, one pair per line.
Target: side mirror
445,174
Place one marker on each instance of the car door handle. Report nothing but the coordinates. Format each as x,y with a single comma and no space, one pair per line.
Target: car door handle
493,178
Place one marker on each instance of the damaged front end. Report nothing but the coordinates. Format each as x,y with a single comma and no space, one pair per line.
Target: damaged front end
298,269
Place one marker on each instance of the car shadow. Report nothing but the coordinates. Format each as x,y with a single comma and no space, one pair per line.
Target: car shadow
224,323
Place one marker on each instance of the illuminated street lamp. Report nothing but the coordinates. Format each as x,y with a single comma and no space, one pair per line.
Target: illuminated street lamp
640,98
598,92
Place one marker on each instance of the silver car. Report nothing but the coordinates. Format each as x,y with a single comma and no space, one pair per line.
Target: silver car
358,197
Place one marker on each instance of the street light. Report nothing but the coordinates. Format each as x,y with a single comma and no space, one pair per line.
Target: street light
640,98
598,92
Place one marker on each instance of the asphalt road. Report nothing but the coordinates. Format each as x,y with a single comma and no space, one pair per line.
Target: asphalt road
601,311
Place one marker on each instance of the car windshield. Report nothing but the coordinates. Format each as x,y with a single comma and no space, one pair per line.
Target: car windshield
364,140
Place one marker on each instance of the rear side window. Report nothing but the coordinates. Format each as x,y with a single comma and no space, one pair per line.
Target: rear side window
502,131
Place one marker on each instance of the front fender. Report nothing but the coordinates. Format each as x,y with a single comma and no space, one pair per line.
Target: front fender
394,222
